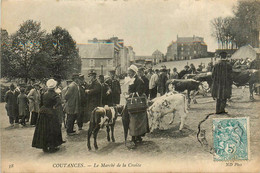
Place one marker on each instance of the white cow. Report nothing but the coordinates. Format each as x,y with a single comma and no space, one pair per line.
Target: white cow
169,103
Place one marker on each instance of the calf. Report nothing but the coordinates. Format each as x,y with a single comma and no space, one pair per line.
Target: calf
168,103
100,117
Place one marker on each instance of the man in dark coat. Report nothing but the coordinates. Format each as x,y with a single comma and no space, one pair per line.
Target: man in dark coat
93,93
105,91
162,81
83,99
73,103
114,85
145,80
11,103
186,70
222,83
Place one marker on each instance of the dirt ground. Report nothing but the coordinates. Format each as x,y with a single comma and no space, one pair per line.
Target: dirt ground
170,148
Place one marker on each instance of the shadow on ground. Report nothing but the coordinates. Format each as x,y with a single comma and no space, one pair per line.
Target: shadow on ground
172,132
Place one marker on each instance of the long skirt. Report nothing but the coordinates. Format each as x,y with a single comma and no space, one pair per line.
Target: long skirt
138,124
48,130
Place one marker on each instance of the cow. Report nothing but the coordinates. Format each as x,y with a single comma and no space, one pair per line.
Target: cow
169,103
185,84
100,117
246,77
201,77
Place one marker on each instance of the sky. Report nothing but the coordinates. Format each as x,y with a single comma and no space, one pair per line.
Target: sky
146,25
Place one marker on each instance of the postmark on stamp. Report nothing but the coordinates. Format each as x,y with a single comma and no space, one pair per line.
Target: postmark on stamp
231,139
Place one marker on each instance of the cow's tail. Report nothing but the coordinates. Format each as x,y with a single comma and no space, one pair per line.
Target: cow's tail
207,116
185,104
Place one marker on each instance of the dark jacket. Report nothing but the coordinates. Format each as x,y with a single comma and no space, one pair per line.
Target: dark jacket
104,97
94,95
23,102
72,97
162,83
137,86
11,103
146,85
114,85
222,80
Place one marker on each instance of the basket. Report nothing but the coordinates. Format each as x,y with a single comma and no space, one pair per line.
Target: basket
136,104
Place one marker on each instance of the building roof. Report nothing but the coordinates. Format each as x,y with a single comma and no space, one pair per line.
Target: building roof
191,40
96,50
157,52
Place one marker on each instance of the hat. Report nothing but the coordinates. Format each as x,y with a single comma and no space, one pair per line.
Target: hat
51,83
12,86
101,76
112,71
69,80
36,84
186,66
223,54
163,66
81,76
75,75
92,72
141,69
163,70
133,68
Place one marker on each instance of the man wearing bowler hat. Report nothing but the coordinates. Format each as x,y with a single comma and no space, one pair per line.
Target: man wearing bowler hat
93,93
114,85
222,83
73,103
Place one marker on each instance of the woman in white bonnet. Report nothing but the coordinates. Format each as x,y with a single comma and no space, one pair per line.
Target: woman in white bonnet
137,123
47,134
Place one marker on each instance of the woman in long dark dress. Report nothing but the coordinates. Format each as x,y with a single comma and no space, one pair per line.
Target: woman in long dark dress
47,134
137,123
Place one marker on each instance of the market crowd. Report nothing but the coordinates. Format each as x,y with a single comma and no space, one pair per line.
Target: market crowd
45,105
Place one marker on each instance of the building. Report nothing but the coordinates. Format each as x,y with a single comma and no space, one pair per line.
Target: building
186,48
97,56
157,57
105,55
147,61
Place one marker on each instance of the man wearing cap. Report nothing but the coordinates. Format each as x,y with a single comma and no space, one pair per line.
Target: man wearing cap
114,85
93,93
73,103
162,81
10,106
146,81
153,84
221,83
34,97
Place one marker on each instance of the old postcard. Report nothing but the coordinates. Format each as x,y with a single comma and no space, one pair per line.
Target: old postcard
130,86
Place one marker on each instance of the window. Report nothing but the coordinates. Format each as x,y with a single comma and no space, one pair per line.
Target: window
92,62
109,62
195,52
181,48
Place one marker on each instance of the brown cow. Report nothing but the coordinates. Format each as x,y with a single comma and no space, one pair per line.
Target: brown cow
100,117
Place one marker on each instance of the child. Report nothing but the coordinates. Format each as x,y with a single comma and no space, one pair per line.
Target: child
22,101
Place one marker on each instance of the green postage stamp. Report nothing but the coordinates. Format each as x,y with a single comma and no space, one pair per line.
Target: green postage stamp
231,139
